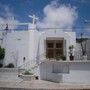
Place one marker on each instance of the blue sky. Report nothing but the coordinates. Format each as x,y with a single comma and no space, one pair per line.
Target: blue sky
20,9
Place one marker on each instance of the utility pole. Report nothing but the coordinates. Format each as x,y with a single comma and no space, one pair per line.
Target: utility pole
6,29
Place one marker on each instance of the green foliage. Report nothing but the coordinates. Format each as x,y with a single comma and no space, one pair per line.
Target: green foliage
28,72
80,40
10,65
60,57
1,65
71,47
2,53
63,58
71,50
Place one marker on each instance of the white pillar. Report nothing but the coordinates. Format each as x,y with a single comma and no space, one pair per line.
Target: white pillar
32,30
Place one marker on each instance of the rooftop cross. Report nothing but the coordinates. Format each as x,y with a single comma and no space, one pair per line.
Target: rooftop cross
33,18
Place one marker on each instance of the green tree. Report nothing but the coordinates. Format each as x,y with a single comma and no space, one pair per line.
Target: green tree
83,46
2,53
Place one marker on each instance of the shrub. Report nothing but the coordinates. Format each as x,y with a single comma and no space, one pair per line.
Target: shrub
10,65
58,57
27,72
2,53
1,65
63,58
71,47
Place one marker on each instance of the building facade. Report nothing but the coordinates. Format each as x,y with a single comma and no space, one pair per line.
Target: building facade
43,50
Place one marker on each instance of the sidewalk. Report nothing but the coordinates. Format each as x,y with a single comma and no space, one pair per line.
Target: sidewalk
41,85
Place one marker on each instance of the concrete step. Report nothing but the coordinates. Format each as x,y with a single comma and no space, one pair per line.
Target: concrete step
9,75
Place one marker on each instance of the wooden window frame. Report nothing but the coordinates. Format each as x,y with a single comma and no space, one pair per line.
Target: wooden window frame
54,49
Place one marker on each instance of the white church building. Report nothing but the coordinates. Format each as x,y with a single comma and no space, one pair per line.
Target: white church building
39,48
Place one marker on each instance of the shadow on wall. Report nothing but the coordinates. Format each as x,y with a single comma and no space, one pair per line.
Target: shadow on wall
53,71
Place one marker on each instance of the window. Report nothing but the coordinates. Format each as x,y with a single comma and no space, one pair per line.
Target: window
50,45
54,48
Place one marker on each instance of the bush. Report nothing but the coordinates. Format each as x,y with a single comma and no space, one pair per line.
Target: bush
2,53
63,58
10,65
1,65
27,72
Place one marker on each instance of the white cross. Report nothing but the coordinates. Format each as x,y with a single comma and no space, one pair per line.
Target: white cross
33,18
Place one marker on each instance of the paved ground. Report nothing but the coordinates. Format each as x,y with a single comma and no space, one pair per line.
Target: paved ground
9,80
42,85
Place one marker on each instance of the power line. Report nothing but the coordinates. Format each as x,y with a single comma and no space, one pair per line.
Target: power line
49,28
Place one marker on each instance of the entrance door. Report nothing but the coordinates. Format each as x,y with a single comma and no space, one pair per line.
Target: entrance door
54,48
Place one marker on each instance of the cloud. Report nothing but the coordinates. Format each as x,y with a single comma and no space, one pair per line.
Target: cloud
58,16
7,17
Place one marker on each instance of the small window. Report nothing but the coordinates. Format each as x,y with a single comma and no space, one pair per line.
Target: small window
50,45
54,48
59,45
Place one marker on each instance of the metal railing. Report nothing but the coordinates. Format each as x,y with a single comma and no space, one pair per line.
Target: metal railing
32,64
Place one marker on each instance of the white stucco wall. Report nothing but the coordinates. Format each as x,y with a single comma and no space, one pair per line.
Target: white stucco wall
69,37
1,37
79,73
31,45
78,52
88,49
34,36
68,72
16,47
37,49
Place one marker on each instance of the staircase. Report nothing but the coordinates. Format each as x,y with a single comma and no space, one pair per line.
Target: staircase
32,66
50,70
